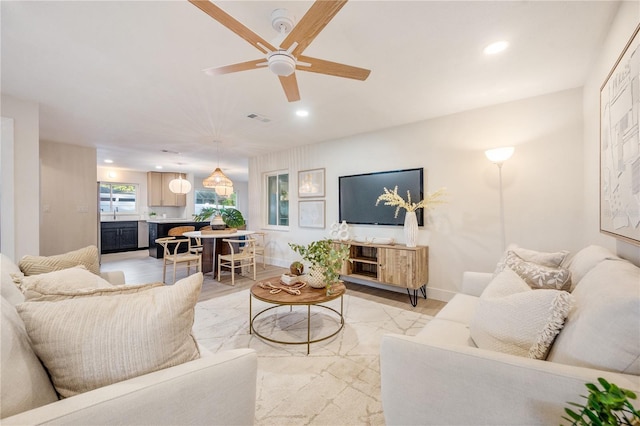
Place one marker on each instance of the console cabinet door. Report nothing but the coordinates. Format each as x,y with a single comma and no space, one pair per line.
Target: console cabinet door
403,267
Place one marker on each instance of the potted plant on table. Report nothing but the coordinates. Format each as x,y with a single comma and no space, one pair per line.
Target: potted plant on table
231,217
326,259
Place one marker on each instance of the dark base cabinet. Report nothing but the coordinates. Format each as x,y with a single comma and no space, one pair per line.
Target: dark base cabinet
159,230
118,236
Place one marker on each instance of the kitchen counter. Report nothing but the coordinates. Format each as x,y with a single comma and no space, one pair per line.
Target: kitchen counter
169,220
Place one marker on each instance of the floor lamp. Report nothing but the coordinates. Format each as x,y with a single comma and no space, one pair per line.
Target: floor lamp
498,156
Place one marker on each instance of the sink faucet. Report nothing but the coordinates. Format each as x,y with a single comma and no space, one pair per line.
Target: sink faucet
115,210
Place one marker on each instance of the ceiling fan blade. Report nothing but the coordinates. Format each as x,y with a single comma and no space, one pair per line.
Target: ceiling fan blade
242,66
234,25
332,68
314,21
290,86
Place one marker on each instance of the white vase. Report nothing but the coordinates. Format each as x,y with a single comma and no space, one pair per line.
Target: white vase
411,229
315,277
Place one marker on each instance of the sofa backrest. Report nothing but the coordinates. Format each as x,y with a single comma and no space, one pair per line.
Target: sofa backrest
7,288
602,329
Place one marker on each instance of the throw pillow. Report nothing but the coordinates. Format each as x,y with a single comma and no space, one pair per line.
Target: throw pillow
87,342
603,330
551,259
52,295
88,256
66,279
512,318
539,276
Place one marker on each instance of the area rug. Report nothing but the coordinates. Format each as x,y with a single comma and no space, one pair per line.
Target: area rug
338,383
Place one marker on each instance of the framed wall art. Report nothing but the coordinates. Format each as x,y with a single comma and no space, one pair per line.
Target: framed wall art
620,146
311,183
311,214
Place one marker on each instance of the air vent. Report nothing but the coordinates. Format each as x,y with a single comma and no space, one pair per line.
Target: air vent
167,151
259,117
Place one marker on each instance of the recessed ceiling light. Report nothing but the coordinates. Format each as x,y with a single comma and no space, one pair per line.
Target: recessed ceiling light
158,167
302,113
108,161
496,47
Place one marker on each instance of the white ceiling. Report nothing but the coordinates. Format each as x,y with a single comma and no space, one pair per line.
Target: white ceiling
125,77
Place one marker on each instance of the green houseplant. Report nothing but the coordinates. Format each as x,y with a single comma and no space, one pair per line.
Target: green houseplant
609,406
232,217
326,259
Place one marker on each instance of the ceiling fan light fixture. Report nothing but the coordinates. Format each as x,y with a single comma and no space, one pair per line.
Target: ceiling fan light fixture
281,63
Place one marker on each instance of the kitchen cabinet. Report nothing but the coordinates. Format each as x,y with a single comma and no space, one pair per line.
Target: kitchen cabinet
396,265
118,236
158,192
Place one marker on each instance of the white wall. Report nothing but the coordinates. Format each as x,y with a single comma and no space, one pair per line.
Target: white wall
543,189
26,177
621,30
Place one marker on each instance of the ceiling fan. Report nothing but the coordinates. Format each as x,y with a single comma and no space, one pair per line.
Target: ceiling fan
285,59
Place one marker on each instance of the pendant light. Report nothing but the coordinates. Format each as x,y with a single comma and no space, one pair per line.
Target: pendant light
218,180
180,186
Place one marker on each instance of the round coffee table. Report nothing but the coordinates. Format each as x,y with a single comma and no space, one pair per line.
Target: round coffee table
308,296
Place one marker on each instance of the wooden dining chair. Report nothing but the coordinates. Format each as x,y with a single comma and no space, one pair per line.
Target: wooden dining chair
171,246
242,255
260,246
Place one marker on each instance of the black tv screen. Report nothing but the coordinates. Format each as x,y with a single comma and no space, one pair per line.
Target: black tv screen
358,195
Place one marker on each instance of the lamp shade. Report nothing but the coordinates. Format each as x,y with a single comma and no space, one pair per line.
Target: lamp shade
180,186
217,179
499,155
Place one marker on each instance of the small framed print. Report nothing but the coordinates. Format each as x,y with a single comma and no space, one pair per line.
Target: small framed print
311,214
311,183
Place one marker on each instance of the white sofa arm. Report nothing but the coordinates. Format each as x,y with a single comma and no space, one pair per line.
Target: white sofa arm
219,389
437,384
474,283
114,277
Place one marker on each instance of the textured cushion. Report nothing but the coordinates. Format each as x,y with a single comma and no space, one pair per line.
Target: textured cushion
551,259
512,318
603,330
88,256
537,275
8,289
93,340
585,260
74,278
24,383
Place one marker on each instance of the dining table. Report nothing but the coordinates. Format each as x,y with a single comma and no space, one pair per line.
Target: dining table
211,249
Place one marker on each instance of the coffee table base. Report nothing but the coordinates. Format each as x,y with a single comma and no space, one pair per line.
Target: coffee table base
252,329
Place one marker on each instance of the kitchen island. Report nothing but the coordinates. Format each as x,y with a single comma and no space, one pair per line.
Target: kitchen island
159,228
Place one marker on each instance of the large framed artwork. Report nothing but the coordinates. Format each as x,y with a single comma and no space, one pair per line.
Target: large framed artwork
620,146
311,214
311,183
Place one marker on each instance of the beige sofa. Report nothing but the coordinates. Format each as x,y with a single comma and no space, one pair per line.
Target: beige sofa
441,377
214,389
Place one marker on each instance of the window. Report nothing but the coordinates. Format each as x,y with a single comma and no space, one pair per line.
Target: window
120,196
277,198
205,198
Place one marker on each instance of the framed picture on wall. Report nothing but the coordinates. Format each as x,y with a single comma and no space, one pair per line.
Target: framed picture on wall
311,214
620,146
311,183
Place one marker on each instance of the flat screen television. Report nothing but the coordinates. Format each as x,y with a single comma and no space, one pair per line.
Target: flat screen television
358,195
